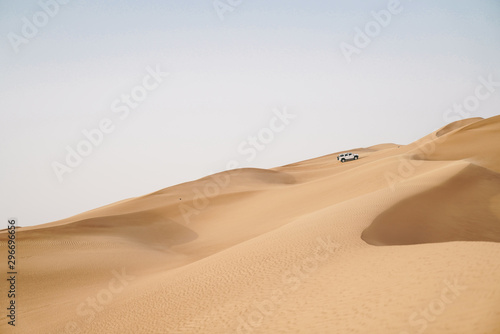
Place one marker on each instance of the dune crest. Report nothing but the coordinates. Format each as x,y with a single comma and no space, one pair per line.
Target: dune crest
457,125
457,210
293,249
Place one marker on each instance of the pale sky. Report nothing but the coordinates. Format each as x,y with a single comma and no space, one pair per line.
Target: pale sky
61,73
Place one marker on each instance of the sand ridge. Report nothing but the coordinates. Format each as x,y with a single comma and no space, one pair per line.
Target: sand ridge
404,240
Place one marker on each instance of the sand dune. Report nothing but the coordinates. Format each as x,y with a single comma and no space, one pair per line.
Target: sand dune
460,209
404,240
456,125
475,142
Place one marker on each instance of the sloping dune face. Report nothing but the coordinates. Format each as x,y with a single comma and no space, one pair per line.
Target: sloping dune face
456,125
145,228
404,240
476,142
461,209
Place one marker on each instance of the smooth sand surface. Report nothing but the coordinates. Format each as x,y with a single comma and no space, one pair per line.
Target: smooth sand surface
403,240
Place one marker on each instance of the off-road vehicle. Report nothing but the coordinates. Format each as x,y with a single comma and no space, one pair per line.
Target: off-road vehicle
347,156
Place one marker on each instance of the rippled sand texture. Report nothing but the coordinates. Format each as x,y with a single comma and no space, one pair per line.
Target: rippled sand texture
403,240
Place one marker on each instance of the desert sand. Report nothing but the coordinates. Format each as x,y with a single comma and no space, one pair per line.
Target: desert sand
404,240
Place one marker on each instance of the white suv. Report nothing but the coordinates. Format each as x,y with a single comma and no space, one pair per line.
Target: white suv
347,156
